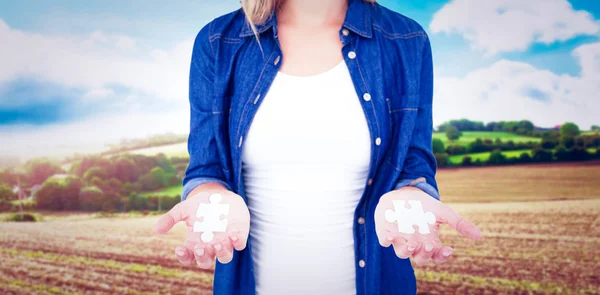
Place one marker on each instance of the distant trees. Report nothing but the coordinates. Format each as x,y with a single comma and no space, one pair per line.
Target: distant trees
595,127
438,146
462,124
497,158
452,133
39,170
569,129
523,127
91,198
6,192
59,194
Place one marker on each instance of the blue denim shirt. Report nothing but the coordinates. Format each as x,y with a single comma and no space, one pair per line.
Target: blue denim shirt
389,59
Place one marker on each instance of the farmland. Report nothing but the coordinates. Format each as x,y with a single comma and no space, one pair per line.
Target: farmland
540,227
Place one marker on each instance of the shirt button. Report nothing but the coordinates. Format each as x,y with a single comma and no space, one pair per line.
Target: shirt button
361,220
277,59
370,181
345,32
351,54
362,263
367,97
378,141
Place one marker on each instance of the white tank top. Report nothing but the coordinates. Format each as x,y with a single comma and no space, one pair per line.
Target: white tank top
305,166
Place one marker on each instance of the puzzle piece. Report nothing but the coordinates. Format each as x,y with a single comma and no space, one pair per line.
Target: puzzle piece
407,217
211,214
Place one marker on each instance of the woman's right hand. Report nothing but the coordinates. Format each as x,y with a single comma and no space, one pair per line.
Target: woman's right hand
194,250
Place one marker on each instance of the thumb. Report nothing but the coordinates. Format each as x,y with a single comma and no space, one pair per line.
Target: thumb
169,219
460,224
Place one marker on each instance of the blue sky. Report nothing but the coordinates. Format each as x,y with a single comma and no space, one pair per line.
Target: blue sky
79,74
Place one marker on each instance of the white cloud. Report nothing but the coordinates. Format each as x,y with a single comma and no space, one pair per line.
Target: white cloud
495,26
95,62
509,90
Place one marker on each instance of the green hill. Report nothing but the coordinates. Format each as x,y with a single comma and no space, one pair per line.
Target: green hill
470,136
170,150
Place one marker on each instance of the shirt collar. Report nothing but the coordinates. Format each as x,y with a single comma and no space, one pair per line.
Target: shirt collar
358,20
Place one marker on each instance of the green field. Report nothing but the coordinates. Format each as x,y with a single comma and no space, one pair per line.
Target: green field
470,136
484,156
168,192
171,150
590,132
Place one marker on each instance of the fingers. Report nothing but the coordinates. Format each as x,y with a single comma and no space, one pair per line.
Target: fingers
463,226
184,255
205,255
387,238
406,246
442,255
238,240
428,246
169,219
223,250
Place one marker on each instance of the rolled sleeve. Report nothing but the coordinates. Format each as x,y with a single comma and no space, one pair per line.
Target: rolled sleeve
193,183
420,183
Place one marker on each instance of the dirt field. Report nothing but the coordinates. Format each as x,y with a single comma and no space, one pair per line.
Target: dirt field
537,247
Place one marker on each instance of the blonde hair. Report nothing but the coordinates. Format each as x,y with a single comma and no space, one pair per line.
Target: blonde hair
257,11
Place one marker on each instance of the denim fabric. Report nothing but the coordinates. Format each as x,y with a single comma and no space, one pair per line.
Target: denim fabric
390,62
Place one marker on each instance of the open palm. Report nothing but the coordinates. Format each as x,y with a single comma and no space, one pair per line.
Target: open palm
422,247
223,243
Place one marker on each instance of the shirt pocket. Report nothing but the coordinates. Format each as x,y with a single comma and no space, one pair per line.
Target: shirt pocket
403,110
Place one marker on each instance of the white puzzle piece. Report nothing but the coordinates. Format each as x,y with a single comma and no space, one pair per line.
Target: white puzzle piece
211,214
407,217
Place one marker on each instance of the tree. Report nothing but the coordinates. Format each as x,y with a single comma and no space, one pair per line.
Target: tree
568,141
541,155
6,192
71,188
569,129
496,157
438,145
41,169
467,161
452,133
595,127
125,170
153,180
441,159
524,157
49,196
95,171
548,143
91,198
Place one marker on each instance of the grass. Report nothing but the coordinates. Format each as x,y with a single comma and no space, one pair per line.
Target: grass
169,192
484,156
470,136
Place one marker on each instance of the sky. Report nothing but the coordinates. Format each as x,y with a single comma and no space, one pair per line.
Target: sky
76,75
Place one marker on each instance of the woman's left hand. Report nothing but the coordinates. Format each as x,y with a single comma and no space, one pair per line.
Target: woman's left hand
422,247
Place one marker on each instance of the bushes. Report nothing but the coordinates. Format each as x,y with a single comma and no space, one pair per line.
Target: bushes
22,217
59,194
91,198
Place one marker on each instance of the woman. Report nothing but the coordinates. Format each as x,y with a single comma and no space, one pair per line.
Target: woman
344,129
